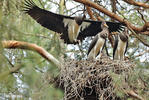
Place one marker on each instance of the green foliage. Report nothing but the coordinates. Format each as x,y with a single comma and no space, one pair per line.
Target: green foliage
30,81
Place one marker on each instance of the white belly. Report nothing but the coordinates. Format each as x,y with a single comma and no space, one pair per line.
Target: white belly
99,45
119,55
96,49
73,31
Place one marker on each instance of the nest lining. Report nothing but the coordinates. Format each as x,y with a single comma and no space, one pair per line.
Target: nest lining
92,80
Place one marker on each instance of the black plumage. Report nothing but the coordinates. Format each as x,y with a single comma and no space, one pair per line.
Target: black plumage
60,23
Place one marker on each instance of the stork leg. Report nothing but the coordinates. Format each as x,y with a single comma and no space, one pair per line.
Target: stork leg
91,55
116,55
122,55
100,55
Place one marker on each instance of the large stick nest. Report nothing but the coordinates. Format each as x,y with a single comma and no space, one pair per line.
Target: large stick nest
92,80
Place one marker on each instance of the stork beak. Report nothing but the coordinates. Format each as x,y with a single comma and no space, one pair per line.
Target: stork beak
106,25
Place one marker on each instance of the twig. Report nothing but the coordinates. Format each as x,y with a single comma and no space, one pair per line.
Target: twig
9,61
142,16
142,53
5,74
72,8
144,82
138,37
76,12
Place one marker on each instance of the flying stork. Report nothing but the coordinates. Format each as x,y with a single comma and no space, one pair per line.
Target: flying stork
70,28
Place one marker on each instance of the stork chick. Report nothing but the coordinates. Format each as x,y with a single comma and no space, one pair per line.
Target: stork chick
98,42
120,45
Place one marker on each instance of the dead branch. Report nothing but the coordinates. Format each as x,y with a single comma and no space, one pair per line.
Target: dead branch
140,4
138,30
12,44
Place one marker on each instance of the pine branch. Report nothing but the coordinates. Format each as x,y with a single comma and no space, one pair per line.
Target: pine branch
12,44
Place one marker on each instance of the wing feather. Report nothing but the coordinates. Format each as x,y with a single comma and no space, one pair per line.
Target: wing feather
55,22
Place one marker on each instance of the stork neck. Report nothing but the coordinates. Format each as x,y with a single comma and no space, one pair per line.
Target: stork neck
123,37
105,29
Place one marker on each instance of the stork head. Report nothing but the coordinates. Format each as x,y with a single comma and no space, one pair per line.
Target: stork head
104,25
104,32
124,35
79,20
126,32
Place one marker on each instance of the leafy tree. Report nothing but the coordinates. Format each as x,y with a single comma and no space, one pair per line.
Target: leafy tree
26,74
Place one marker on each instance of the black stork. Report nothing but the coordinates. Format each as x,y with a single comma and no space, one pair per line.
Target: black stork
70,28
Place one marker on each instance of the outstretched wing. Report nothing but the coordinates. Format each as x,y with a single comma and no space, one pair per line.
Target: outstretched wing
60,23
91,28
46,18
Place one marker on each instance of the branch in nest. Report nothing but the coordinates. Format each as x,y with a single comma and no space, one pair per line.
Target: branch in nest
92,80
140,4
29,46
